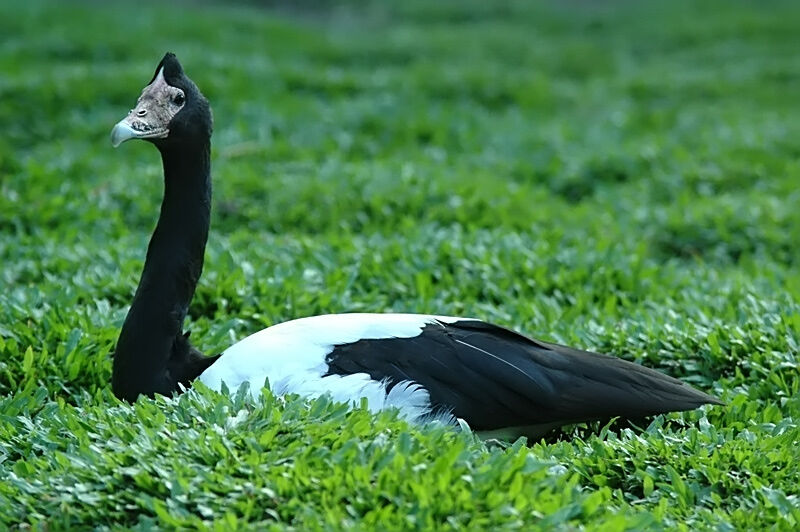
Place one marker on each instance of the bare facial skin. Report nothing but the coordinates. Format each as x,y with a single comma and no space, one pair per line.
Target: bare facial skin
154,110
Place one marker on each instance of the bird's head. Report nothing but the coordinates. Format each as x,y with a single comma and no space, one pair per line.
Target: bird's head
171,110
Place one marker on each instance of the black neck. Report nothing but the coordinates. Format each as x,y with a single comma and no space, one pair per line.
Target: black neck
151,349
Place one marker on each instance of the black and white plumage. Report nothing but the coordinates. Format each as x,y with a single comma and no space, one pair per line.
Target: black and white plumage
428,367
442,367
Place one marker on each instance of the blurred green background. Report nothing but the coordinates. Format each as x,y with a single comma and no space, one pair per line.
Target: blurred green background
619,176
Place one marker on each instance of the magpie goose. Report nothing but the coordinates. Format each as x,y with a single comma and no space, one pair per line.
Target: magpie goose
428,367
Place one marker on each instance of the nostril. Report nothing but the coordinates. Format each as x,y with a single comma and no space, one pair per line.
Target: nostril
141,112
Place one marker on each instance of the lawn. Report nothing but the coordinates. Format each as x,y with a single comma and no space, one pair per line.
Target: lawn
617,176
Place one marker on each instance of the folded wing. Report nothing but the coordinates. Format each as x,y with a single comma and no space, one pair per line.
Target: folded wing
494,378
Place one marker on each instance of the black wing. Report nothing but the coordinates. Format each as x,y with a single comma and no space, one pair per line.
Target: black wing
495,378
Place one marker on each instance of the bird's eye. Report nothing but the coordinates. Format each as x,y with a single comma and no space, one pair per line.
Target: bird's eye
178,99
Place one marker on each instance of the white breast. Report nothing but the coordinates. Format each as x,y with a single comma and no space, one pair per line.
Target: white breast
292,356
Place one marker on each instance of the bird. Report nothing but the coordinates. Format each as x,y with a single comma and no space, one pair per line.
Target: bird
429,368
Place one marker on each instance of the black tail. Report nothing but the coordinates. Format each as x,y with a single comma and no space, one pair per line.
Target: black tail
605,386
539,383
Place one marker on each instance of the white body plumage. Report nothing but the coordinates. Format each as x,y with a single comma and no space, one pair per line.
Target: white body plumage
292,356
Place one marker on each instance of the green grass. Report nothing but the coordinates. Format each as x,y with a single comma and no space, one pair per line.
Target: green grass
621,177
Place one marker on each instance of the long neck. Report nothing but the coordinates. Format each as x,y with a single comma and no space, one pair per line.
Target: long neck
172,268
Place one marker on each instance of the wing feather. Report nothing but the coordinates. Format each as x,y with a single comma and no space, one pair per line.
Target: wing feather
493,377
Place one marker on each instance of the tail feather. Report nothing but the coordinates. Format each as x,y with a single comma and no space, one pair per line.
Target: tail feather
604,386
521,381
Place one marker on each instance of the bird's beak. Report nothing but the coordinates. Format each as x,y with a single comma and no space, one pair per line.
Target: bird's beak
122,132
135,126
